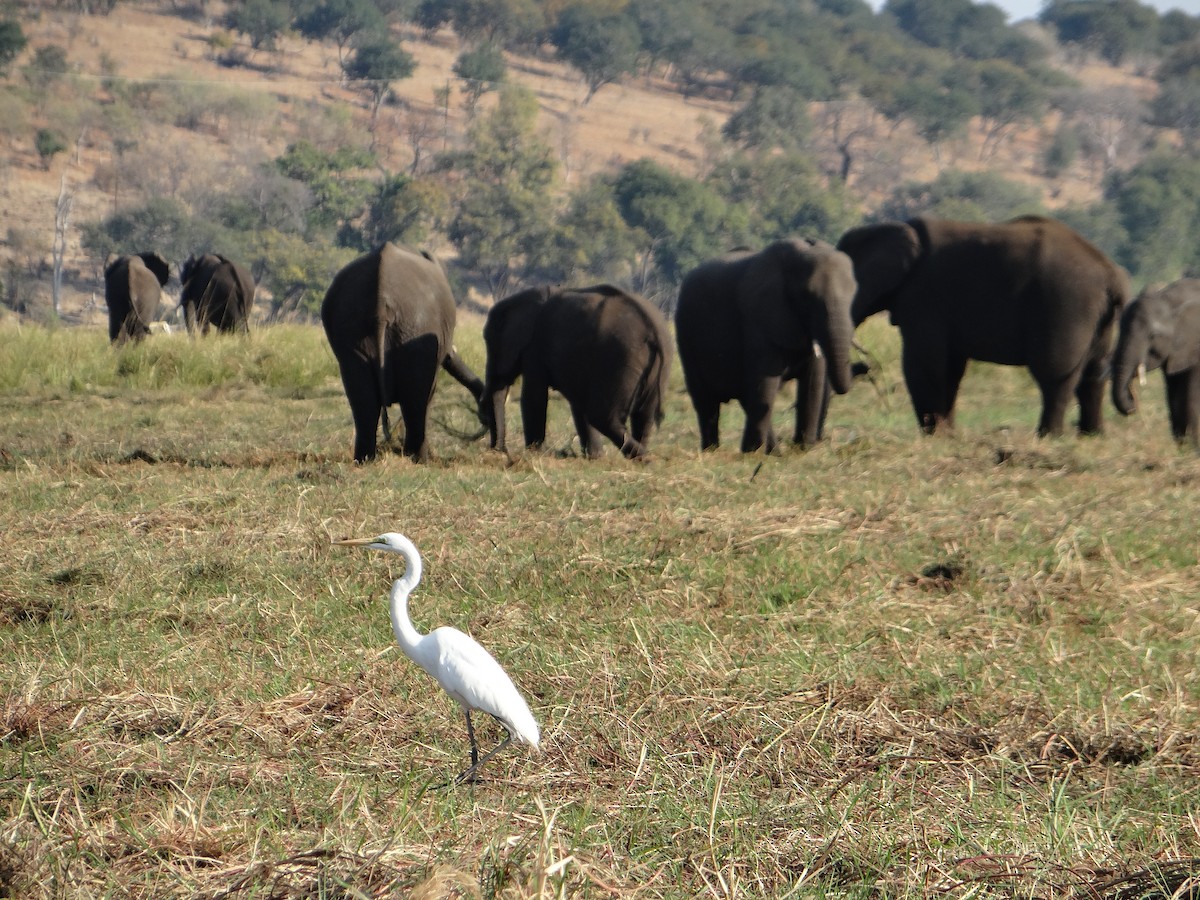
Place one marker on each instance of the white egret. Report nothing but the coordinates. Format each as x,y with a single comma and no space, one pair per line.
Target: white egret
464,669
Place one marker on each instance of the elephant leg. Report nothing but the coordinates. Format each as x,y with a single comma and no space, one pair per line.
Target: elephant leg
1090,394
1178,403
925,375
643,420
415,392
812,401
589,436
708,417
609,423
365,406
757,404
1191,401
535,396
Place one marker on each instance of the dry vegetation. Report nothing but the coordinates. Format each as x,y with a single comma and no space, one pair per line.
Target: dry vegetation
639,118
891,666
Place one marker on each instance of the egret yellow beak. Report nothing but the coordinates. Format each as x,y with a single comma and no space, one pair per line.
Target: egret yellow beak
355,542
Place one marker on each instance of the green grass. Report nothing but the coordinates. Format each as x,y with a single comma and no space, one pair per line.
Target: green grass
890,666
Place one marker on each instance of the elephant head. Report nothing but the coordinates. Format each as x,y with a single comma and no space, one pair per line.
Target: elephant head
1158,329
507,334
817,286
884,255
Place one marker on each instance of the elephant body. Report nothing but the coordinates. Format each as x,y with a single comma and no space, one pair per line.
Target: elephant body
606,351
1161,329
216,292
389,317
1028,292
746,322
132,289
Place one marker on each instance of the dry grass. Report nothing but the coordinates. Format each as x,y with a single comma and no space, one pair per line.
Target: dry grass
891,666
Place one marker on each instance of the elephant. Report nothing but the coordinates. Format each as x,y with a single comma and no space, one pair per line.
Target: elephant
1027,292
748,321
607,351
1161,329
216,291
389,317
132,289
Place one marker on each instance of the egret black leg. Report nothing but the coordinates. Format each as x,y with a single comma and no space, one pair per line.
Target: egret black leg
474,746
469,775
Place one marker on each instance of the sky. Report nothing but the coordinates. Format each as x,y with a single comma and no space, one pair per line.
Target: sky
1028,9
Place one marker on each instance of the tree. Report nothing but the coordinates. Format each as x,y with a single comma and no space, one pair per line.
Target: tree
938,111
1114,29
263,21
680,222
505,205
591,241
49,64
49,143
968,196
602,46
1158,202
62,218
161,224
1006,96
12,42
405,210
773,118
340,21
339,194
377,61
482,69
784,194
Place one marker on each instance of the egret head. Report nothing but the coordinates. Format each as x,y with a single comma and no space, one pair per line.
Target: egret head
393,542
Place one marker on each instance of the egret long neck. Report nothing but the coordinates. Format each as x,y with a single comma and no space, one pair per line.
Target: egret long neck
406,635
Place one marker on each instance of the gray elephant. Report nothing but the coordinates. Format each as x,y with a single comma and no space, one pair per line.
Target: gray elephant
1028,292
132,289
608,352
746,322
1161,329
389,317
216,292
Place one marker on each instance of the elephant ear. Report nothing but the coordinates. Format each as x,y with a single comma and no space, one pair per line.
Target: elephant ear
507,332
1184,351
884,255
775,292
159,266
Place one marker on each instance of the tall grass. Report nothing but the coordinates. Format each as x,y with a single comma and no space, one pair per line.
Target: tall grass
889,666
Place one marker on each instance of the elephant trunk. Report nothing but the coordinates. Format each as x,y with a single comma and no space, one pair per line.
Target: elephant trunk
1128,358
835,336
491,413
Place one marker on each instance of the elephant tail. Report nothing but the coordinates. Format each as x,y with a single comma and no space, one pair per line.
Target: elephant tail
653,385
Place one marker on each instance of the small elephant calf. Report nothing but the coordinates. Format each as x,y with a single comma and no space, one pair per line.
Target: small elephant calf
1161,329
606,351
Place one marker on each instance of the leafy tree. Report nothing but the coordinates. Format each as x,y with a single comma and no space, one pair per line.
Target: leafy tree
481,69
774,117
784,194
504,205
12,42
602,46
970,30
1158,203
161,224
377,61
591,241
1115,29
340,21
262,21
49,64
295,271
1177,105
405,210
339,193
680,222
969,196
49,143
1062,150
503,22
939,111
1006,96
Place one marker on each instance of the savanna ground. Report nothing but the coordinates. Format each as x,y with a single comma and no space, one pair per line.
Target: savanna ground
891,666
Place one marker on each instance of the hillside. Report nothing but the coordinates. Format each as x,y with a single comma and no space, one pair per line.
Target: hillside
635,119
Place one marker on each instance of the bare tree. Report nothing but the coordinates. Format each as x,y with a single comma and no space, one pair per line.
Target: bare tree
62,217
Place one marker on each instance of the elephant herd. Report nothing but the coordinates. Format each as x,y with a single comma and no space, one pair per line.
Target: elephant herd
1028,292
216,293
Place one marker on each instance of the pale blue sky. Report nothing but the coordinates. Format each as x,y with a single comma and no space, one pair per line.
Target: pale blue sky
1028,9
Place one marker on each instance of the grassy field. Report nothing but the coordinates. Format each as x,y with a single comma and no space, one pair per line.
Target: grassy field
891,666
